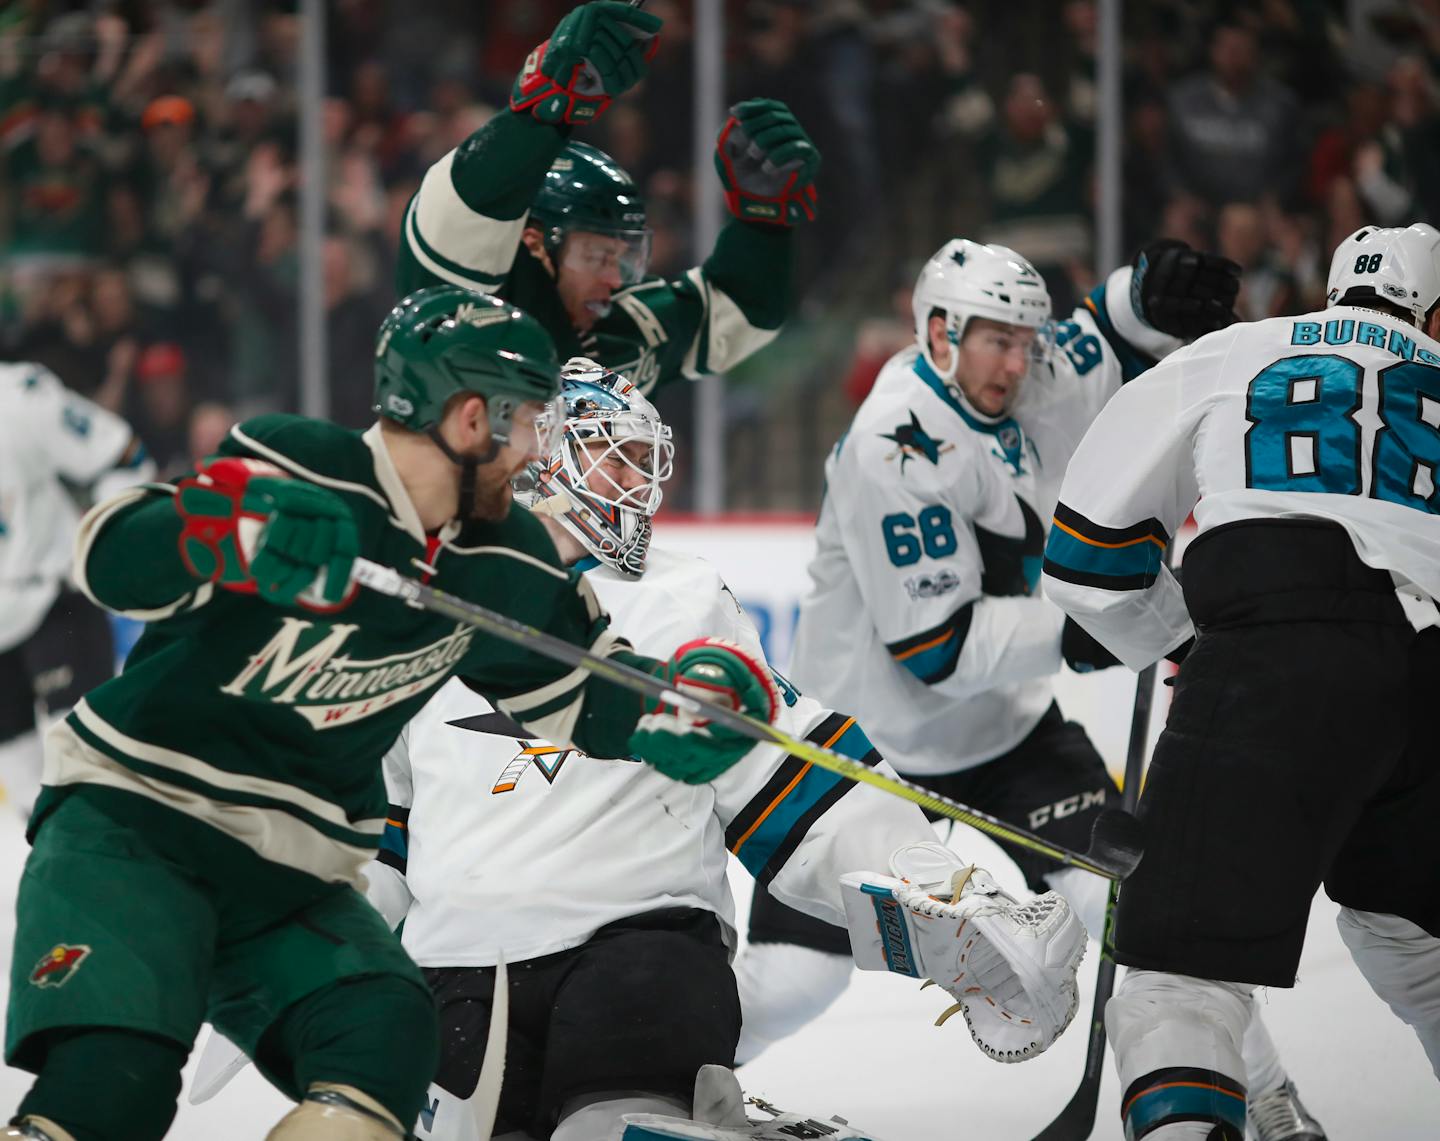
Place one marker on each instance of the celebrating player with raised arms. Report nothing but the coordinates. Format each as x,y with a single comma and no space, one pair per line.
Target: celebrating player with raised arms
206,814
923,614
1300,746
558,228
604,885
54,645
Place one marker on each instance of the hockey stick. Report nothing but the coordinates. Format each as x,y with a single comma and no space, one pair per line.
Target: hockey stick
1114,841
1077,1119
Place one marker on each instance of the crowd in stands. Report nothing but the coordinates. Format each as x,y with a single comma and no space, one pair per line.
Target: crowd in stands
149,164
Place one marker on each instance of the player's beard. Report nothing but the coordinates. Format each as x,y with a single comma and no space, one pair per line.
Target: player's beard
492,496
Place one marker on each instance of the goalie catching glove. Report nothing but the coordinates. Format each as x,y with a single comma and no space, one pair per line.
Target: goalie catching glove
767,164
690,748
596,52
1010,966
1184,292
250,528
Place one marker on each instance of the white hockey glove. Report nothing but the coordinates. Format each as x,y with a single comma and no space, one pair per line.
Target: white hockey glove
720,1116
1009,965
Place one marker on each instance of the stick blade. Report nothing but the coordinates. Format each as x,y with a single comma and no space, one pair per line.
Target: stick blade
1077,1120
1117,840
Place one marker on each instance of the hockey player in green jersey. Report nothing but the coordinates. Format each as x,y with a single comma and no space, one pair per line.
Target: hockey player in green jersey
206,813
558,228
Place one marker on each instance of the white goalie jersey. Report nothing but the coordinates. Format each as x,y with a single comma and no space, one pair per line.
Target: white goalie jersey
1332,415
924,616
48,434
499,840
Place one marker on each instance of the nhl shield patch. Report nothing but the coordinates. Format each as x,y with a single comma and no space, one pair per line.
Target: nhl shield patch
59,964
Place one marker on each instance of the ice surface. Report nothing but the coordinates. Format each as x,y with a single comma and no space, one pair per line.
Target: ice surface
876,1059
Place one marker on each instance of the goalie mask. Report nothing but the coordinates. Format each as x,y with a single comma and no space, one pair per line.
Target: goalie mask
1400,267
602,482
965,280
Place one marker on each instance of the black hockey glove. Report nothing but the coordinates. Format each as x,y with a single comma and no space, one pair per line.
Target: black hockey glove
1184,292
1081,652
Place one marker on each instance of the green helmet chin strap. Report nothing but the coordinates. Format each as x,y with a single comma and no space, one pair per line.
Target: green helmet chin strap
500,413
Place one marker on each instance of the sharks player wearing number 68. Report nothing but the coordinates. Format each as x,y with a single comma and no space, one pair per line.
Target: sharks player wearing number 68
923,614
1300,742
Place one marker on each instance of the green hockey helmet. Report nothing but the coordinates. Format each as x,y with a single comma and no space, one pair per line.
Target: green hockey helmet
586,190
443,340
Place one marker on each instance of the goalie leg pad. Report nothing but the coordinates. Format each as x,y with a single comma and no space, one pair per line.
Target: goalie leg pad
1177,1049
1401,962
332,1112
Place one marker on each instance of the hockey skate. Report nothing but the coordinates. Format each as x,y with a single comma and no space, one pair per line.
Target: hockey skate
1280,1115
720,1115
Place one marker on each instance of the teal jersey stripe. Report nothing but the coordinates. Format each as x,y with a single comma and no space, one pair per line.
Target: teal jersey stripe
1137,564
1132,361
1191,1102
939,658
755,853
222,795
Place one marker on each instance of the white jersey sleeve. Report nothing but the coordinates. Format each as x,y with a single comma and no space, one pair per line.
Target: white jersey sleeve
49,437
1329,415
73,436
388,889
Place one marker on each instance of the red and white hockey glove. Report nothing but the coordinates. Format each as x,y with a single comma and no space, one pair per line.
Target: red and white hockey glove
767,164
250,528
691,748
595,53
1010,966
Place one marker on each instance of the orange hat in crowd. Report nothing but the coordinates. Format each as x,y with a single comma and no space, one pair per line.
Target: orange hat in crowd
160,360
168,110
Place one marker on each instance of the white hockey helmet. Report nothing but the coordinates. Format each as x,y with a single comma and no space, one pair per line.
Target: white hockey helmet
966,279
1398,266
604,413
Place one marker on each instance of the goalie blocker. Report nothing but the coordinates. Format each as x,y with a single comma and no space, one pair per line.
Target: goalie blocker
1009,966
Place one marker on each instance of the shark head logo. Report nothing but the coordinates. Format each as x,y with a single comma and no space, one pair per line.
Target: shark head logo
913,442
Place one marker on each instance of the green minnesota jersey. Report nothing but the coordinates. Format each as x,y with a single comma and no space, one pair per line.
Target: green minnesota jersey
268,722
463,227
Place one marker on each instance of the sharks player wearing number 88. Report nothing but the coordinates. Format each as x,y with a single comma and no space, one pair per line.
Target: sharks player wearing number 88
1300,741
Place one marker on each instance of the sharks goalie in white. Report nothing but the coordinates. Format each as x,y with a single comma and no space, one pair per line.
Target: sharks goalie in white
619,955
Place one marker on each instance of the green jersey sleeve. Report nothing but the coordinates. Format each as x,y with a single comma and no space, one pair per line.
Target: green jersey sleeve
463,225
707,320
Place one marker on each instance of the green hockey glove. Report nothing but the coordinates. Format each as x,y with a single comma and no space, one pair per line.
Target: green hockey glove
250,528
767,164
595,52
692,749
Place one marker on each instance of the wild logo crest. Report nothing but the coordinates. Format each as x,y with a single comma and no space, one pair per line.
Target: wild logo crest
913,442
58,965
301,665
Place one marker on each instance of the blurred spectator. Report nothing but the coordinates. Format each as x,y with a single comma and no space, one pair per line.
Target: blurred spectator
1232,127
57,199
879,338
209,424
1038,181
353,312
159,407
1267,288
